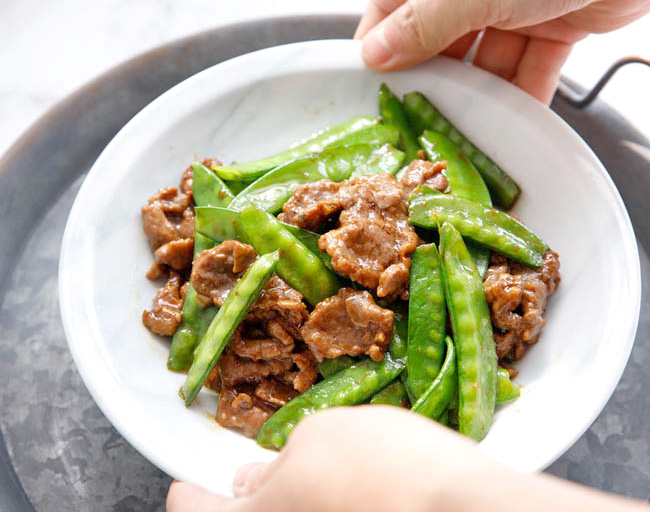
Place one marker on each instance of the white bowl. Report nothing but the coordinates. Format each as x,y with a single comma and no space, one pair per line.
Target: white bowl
260,103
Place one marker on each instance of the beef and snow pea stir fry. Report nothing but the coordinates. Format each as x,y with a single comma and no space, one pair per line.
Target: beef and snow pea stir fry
374,262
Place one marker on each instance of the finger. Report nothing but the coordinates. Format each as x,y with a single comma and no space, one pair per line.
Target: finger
249,478
420,29
500,52
184,497
459,48
539,69
377,10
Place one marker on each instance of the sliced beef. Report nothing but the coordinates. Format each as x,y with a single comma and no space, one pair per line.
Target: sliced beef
374,237
517,296
348,323
165,315
168,216
279,301
274,392
214,380
259,348
306,374
236,370
216,271
176,254
312,204
239,408
422,172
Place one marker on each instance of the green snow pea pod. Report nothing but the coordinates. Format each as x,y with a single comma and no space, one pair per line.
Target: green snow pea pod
351,386
273,189
207,187
427,319
398,347
298,266
331,366
506,390
473,336
489,227
385,159
223,325
423,115
392,113
433,402
375,135
313,144
464,181
393,394
221,224
196,320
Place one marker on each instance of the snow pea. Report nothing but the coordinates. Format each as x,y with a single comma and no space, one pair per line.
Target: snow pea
472,334
219,224
392,113
298,266
314,143
464,181
427,319
433,402
423,115
196,320
506,390
273,189
385,159
351,386
223,325
393,394
375,135
487,226
331,366
207,187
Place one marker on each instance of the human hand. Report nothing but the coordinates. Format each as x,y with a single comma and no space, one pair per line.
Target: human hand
523,41
382,459
368,458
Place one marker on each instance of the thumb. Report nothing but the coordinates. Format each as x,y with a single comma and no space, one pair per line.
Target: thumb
419,29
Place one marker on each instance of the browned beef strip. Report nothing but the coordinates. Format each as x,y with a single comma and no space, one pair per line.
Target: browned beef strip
156,271
176,254
214,380
235,370
165,315
422,172
259,348
239,408
307,372
274,392
216,271
312,204
374,235
168,216
348,323
279,301
517,296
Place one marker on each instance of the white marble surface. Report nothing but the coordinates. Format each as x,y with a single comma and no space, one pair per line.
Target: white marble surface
50,48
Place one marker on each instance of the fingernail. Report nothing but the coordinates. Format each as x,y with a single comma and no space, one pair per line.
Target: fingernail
375,49
246,477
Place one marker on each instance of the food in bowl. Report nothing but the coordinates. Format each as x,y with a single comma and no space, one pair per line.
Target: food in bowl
323,276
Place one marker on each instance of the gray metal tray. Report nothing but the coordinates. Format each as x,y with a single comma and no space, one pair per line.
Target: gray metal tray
57,450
